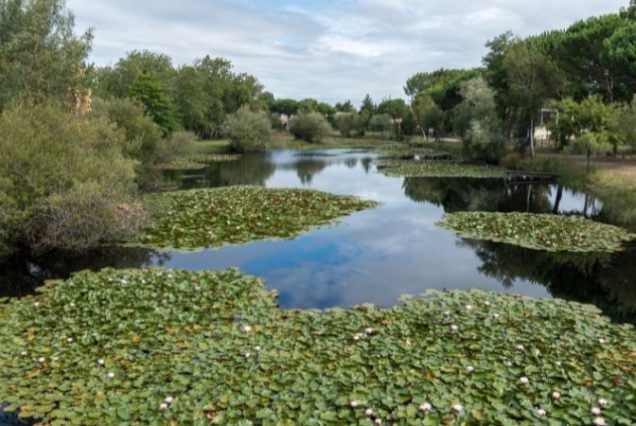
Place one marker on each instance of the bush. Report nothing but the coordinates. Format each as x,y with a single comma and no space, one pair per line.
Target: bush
381,123
512,161
180,144
62,172
247,130
311,127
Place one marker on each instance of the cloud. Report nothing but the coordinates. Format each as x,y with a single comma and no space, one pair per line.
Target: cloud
331,50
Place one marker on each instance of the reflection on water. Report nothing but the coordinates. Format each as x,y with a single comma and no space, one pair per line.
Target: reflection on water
377,255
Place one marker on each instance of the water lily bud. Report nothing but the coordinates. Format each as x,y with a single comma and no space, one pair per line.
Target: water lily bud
470,369
454,328
458,408
603,402
519,348
354,404
558,363
369,330
42,360
368,412
357,337
247,354
541,412
599,421
111,375
246,329
408,342
168,400
595,410
426,407
163,406
556,395
524,380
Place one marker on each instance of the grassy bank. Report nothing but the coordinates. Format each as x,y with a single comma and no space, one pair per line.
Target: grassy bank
178,347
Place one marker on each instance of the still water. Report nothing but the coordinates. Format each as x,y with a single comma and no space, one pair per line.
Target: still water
377,255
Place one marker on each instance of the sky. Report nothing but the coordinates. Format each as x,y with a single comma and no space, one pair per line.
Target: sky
330,50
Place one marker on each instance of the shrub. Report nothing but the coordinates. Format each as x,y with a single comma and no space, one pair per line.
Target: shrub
381,123
512,161
310,126
180,144
61,171
247,130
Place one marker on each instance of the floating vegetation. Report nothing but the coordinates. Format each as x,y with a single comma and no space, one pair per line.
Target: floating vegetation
197,161
412,168
179,347
238,214
539,231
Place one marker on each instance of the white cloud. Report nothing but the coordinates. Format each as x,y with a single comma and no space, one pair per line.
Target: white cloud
331,50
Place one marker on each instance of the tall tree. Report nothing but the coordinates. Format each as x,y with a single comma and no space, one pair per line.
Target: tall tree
147,89
41,57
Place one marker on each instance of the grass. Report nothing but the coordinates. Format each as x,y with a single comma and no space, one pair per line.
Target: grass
178,347
411,168
198,219
539,231
197,161
212,146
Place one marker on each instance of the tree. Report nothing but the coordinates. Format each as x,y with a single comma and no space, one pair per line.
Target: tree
310,126
285,106
148,90
590,143
532,79
396,109
476,122
381,123
344,107
41,57
248,130
368,105
428,115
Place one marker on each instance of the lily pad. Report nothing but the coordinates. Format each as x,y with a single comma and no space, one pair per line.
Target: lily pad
421,168
197,161
178,347
539,231
238,214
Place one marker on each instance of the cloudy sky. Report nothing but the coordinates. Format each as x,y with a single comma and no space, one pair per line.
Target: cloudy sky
331,50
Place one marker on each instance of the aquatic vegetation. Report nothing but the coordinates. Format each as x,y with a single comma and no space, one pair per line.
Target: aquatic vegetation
197,161
179,347
539,231
412,168
238,214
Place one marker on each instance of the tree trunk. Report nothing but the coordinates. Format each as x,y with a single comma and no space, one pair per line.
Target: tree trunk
532,137
557,202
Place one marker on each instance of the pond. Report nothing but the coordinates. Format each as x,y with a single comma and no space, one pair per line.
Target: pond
377,255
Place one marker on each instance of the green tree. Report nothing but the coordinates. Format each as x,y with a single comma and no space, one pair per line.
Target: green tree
368,105
591,143
41,57
248,130
147,89
285,106
311,127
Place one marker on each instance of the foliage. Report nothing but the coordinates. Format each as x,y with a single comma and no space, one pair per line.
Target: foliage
175,347
381,123
180,144
310,127
197,161
623,124
41,58
208,218
410,168
368,105
351,123
60,171
538,231
476,122
591,143
247,130
285,106
147,89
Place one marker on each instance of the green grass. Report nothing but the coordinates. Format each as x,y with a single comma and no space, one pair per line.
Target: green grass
539,231
198,219
178,347
212,147
412,168
197,161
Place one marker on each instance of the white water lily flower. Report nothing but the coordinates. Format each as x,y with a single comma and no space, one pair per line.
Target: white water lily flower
163,406
601,341
169,400
454,328
426,407
354,404
603,402
599,421
42,360
111,375
357,336
541,412
487,303
469,307
556,395
257,348
558,363
55,359
595,410
378,421
470,369
408,342
519,348
524,380
246,329
369,330
69,340
101,362
25,353
247,355
368,412
36,304
537,352
458,408
447,313
496,315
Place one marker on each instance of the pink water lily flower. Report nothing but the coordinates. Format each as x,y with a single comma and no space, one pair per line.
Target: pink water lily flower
596,411
163,406
368,412
354,403
599,421
556,394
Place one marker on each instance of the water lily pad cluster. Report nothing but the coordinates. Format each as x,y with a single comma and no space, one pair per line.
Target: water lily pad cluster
197,161
238,214
421,168
178,347
539,231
